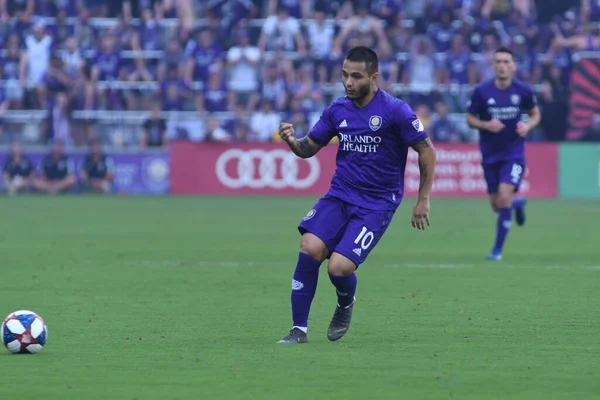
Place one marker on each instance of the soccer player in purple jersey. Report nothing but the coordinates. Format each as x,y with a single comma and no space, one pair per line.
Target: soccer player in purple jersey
375,130
495,109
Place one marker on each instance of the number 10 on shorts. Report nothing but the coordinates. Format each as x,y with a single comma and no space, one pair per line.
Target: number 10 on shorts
365,238
516,172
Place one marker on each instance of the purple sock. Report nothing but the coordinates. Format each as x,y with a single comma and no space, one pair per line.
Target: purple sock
345,288
304,286
502,227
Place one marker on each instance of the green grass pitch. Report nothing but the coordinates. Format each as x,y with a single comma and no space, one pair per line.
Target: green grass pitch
184,298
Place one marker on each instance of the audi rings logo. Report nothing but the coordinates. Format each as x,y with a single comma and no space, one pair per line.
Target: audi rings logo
259,169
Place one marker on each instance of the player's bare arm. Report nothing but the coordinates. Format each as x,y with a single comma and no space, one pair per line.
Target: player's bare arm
523,128
426,152
493,126
304,147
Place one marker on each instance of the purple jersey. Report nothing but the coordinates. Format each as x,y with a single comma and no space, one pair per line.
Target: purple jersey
172,92
293,7
506,105
458,66
441,36
10,67
373,147
150,36
108,65
204,58
215,99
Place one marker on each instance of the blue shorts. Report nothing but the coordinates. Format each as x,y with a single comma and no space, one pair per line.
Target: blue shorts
345,228
510,172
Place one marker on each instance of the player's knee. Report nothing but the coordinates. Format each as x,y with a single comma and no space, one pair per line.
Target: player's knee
504,200
340,267
313,246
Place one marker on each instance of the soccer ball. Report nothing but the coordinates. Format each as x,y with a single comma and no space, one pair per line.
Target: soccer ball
24,332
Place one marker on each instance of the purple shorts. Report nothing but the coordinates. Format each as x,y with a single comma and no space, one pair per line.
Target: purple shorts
510,172
345,228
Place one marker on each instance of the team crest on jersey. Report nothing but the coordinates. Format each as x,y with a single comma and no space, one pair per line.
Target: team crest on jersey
515,99
418,125
310,214
375,122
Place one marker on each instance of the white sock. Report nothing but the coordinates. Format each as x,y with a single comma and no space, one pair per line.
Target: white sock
302,328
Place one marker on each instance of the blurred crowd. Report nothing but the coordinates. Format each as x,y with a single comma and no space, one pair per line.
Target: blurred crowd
245,65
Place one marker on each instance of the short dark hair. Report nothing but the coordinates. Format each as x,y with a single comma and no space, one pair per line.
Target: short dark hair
366,55
504,49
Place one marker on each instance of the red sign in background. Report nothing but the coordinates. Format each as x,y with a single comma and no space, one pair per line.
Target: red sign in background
271,169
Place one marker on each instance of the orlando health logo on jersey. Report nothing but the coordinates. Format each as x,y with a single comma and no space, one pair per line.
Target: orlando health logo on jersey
503,112
361,143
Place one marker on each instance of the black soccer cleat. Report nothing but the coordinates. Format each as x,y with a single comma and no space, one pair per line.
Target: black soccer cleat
520,211
340,323
296,336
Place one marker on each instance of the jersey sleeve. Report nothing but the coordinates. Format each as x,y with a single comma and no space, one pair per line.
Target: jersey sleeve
324,130
474,105
411,128
529,99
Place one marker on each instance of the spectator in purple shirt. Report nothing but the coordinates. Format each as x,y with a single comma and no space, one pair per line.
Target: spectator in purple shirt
10,73
107,62
214,97
55,81
273,87
21,25
230,12
171,58
441,33
457,67
83,94
173,92
442,128
239,126
203,54
124,33
148,36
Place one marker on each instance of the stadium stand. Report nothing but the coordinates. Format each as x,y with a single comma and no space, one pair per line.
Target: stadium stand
232,69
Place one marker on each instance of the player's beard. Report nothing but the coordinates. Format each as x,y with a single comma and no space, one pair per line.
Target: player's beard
358,93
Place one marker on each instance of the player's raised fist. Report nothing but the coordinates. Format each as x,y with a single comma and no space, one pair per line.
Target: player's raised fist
286,132
495,126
